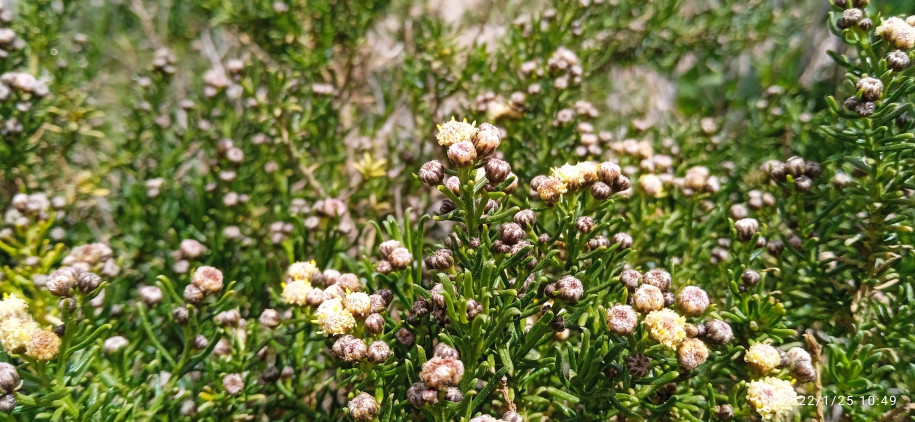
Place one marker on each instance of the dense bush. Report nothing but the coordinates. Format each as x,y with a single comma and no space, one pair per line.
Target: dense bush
457,210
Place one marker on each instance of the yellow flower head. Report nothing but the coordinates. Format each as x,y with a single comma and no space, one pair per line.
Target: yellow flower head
588,171
763,358
666,327
897,32
454,131
295,292
772,398
358,303
334,318
15,333
13,307
570,176
302,270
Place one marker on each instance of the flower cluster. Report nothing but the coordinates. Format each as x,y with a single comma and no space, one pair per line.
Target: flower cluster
20,333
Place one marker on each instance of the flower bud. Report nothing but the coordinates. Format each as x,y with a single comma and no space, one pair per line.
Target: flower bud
598,242
383,267
363,408
200,342
750,277
724,412
638,365
233,384
497,170
870,88
406,337
647,298
718,332
569,289
350,349
622,320
62,281
691,353
462,154
443,350
692,301
441,372
486,139
898,60
150,295
865,109
608,172
432,173
746,228
374,324
454,395
9,378
511,233
658,278
630,278
387,247
270,318
584,224
207,279
473,309
114,344
622,239
601,191
192,294
525,218
400,258
88,282
7,403
804,371
850,18
379,352
796,355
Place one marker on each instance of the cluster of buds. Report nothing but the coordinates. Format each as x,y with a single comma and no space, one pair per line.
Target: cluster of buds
353,350
763,359
853,16
869,91
394,257
20,333
27,208
513,239
602,179
467,143
21,84
164,61
206,281
568,288
436,307
565,64
898,32
651,296
95,257
341,304
509,416
63,281
440,377
9,384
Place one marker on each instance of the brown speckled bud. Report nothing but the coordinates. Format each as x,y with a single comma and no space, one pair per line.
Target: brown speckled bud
350,349
718,332
387,247
622,183
406,337
379,352
804,371
865,109
601,191
724,412
441,260
454,395
441,372
870,88
750,277
647,298
443,350
363,408
746,228
630,278
898,60
374,324
658,278
692,301
638,365
233,384
270,318
691,353
473,309
608,172
432,173
446,206
598,242
525,218
497,170
192,294
622,320
569,289
208,279
383,267
179,315
486,140
400,258
511,233
462,154
584,224
622,239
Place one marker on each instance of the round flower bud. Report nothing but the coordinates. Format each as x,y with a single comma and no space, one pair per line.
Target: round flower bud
383,267
446,206
462,154
379,352
608,172
387,247
870,88
666,327
416,394
7,403
658,278
497,170
441,372
692,301
358,303
622,183
724,412
400,258
314,297
443,350
750,277
804,371
350,349
88,282
363,408
150,295
62,281
374,324
208,279
379,303
691,353
850,103
114,344
746,228
850,18
647,298
813,169
598,242
569,289
43,346
511,233
865,109
622,320
763,358
512,416
718,332
525,218
233,384
630,278
773,399
179,315
454,395
898,60
200,342
584,224
486,140
9,378
473,309
270,318
797,355
432,173
601,191
638,365
406,337
622,239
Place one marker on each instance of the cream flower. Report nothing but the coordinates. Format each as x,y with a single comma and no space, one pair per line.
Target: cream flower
296,292
666,327
358,303
454,131
763,358
772,398
570,176
897,32
334,318
302,270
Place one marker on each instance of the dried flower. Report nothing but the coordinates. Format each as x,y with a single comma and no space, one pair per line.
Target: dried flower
43,346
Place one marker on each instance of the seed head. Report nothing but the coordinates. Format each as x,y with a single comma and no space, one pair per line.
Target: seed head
432,173
43,346
363,408
622,320
692,301
462,154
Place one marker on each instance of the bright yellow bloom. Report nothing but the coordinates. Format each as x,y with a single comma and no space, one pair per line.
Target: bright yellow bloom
334,318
